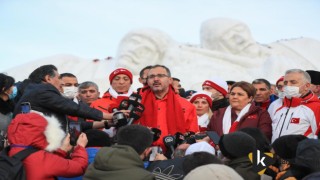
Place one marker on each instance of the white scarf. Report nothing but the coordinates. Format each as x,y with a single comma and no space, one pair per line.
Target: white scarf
114,93
203,120
226,121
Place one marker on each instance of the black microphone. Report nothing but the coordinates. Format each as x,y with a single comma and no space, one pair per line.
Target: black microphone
179,138
135,107
134,99
169,141
156,134
124,105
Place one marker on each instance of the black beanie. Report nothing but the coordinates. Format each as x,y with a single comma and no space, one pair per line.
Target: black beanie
308,154
237,144
97,138
286,146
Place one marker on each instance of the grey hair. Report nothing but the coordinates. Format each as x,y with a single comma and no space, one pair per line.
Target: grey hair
306,76
87,84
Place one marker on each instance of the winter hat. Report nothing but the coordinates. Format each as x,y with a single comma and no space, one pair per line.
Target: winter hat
189,93
120,71
280,79
213,171
200,146
34,129
218,84
308,154
237,144
315,76
202,94
97,138
286,146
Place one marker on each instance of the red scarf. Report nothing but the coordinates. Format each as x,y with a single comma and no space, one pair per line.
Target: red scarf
175,117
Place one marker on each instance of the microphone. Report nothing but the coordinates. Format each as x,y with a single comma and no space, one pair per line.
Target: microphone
156,134
112,108
169,141
179,138
134,100
135,107
124,104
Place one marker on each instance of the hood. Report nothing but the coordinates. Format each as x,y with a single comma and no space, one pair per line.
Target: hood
117,157
34,129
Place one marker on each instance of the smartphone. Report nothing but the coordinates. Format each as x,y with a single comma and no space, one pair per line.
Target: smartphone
214,137
25,107
75,131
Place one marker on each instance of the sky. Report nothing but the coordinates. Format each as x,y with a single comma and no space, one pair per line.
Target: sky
34,29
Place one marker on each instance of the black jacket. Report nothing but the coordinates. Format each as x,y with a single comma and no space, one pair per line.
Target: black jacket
47,99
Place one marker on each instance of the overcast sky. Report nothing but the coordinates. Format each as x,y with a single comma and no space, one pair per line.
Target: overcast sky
33,29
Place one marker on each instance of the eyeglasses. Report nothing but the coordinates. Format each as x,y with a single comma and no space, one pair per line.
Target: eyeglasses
157,75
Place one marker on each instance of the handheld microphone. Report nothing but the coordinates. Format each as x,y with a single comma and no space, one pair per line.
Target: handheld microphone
112,108
169,141
179,138
134,100
156,134
135,113
124,104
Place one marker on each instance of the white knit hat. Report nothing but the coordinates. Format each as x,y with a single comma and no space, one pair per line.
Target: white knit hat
200,147
218,84
213,171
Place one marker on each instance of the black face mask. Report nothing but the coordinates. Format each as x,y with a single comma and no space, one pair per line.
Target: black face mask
182,92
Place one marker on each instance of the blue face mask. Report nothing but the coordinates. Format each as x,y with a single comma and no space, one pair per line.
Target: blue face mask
14,93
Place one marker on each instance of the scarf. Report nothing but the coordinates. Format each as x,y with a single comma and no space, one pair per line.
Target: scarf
175,117
115,95
203,120
226,121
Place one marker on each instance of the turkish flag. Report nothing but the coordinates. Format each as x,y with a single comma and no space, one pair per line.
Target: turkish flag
295,120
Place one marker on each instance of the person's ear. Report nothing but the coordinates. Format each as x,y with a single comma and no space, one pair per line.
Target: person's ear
47,78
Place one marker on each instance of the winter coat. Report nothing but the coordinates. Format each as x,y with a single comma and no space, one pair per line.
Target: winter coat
255,117
243,166
47,99
117,162
297,116
45,134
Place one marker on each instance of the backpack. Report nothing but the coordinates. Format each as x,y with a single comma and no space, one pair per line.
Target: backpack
11,168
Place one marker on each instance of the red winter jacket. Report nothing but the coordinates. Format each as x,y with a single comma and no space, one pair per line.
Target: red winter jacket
255,117
44,133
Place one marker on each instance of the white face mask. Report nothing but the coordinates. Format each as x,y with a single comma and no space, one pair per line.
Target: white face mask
70,92
281,94
291,91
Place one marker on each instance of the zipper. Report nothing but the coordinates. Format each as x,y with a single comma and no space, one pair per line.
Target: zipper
285,117
279,122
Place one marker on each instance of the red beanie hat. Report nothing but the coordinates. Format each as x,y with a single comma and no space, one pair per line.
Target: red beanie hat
217,84
120,71
280,79
203,94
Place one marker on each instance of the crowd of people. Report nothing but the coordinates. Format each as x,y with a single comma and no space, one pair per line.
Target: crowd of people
160,130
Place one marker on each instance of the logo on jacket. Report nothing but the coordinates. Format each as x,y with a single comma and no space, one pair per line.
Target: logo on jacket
252,116
295,120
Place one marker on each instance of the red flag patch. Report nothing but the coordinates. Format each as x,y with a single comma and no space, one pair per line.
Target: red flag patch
295,120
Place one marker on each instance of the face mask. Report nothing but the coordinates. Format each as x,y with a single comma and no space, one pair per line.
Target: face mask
70,92
291,91
14,93
281,94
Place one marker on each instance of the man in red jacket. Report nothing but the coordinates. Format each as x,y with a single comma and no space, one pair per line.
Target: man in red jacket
164,109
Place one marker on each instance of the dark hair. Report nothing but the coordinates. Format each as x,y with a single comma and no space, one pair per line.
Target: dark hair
262,81
247,87
197,159
162,66
97,138
175,79
136,136
142,70
262,142
5,82
39,74
67,75
87,84
230,82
